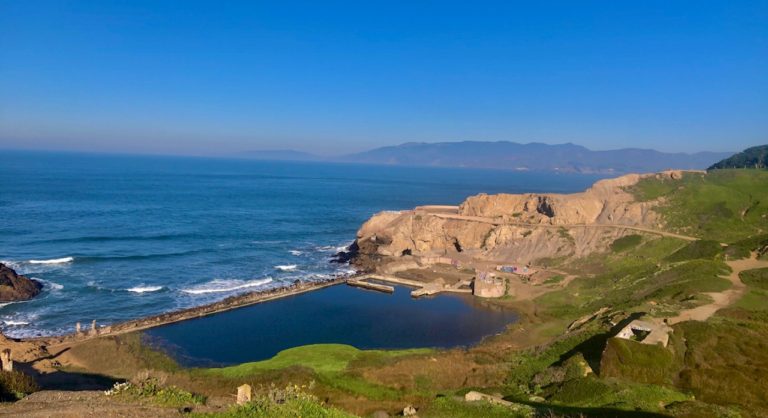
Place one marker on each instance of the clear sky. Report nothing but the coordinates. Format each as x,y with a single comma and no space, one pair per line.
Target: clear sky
217,77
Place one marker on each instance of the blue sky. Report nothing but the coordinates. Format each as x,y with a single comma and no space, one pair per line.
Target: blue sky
219,77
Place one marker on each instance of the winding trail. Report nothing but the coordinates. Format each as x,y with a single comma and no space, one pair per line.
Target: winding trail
497,222
725,298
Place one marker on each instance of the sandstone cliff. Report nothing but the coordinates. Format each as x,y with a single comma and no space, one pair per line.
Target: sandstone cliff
514,228
14,287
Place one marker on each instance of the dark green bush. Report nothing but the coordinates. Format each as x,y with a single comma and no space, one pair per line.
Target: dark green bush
625,243
697,250
15,385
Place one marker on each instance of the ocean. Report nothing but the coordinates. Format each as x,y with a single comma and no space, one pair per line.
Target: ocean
118,237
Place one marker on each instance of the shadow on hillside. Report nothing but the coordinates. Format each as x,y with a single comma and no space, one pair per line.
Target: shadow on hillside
592,348
67,380
568,411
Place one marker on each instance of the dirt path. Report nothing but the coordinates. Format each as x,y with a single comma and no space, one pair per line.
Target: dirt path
49,403
725,298
497,222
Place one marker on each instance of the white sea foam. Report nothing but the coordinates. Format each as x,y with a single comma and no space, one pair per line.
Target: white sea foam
144,289
296,252
220,286
53,261
15,323
288,267
49,284
14,265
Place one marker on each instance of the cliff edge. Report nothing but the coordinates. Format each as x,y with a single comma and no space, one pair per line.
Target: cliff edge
512,228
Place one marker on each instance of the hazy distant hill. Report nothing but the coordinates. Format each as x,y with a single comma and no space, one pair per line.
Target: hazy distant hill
534,156
280,155
755,157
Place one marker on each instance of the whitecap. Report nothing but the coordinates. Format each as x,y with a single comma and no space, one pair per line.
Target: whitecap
221,286
11,264
53,261
49,284
144,289
296,252
288,267
15,323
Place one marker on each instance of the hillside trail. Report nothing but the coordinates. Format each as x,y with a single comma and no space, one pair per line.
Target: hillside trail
497,222
725,298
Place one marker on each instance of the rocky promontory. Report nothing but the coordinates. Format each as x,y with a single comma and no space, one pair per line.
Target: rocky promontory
15,287
511,228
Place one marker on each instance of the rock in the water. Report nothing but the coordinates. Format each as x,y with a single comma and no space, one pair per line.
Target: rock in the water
14,287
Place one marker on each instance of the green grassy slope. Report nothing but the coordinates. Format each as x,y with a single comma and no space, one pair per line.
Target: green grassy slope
722,205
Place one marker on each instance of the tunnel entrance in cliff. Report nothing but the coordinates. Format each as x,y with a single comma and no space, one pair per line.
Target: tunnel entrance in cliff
457,245
406,251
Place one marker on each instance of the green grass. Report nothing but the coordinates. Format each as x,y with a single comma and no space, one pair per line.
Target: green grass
608,393
753,300
757,278
330,364
697,250
626,243
725,359
280,403
723,205
322,358
641,363
554,279
448,407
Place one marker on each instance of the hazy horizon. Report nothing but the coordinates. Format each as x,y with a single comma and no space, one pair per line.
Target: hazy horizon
328,156
332,78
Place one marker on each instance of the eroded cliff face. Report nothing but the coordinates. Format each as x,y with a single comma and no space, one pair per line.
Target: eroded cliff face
606,201
517,228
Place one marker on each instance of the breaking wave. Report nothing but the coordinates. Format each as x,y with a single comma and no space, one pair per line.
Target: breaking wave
221,286
296,252
144,289
288,267
15,323
49,284
53,261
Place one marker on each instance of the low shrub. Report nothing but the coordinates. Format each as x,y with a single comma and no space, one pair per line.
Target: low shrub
15,385
757,278
146,386
697,250
625,243
289,402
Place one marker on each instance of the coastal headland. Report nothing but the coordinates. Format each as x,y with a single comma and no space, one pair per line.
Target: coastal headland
641,296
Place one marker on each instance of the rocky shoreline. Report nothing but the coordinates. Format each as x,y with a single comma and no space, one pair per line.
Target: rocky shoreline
16,287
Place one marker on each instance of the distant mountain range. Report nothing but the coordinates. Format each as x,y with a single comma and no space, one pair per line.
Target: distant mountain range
566,158
755,157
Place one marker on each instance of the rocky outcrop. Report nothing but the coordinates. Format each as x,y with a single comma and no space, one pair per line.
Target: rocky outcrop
517,228
607,201
15,287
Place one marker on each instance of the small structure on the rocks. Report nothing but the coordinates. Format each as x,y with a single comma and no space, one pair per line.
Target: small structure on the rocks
6,361
648,331
78,328
244,394
488,285
94,330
